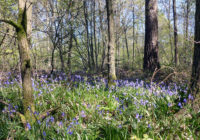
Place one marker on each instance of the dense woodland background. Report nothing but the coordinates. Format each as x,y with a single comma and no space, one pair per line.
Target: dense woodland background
72,35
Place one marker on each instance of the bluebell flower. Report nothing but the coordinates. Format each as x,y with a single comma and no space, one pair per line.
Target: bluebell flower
63,114
52,119
169,104
137,116
70,132
83,115
185,100
190,97
39,122
149,126
180,105
120,126
44,133
28,126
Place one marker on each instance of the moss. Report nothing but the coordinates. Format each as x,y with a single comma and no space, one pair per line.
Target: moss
111,80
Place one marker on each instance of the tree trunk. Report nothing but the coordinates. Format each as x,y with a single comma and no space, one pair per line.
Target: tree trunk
176,61
133,36
95,39
169,26
111,47
92,46
195,77
61,58
52,59
87,31
187,19
69,51
151,60
25,58
126,41
103,39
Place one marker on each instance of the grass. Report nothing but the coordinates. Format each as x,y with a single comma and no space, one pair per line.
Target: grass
90,111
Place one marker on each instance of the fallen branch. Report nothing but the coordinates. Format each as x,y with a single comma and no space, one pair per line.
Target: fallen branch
48,113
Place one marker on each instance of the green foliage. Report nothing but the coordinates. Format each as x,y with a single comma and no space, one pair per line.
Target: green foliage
92,112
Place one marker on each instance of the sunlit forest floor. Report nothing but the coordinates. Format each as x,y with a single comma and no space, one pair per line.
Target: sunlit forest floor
86,109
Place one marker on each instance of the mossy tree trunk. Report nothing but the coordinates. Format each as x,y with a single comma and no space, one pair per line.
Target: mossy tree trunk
111,39
23,37
23,30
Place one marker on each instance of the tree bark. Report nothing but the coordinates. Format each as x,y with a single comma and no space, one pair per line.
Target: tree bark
61,58
69,50
176,61
169,26
92,45
52,59
133,36
126,42
87,31
95,39
111,47
195,77
25,58
151,60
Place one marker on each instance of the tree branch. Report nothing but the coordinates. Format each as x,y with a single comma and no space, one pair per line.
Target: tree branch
10,22
47,113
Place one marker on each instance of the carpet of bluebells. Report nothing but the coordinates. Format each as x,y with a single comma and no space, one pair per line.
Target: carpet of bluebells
89,110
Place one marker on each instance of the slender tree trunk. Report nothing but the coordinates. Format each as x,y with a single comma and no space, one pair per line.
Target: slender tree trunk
133,36
52,59
126,42
69,51
151,60
87,31
103,39
169,26
111,47
195,77
176,61
61,58
92,47
187,19
95,39
117,34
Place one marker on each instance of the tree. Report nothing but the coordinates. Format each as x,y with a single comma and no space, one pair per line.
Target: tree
195,77
151,61
133,12
175,34
87,31
23,30
111,47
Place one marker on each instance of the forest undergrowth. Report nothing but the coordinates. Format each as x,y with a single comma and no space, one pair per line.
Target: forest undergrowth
86,109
